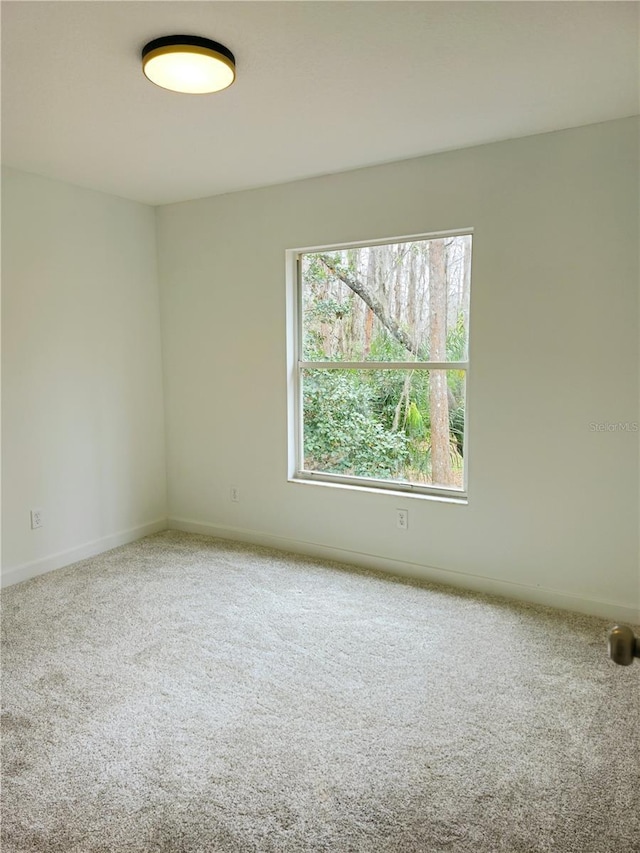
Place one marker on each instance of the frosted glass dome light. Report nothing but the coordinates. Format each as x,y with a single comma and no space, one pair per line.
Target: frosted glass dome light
189,64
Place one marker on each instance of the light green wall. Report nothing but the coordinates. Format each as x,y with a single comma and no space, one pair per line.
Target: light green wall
553,505
82,408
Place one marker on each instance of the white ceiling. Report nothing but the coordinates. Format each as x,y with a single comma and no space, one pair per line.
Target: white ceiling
322,86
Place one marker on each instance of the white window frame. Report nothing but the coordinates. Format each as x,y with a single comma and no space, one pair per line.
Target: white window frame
296,364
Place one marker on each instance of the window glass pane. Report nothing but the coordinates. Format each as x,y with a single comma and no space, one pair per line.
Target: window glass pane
396,302
398,425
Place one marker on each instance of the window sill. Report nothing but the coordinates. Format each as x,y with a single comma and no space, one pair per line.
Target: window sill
463,500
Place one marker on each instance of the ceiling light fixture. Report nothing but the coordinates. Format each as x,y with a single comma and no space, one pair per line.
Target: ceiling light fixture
189,64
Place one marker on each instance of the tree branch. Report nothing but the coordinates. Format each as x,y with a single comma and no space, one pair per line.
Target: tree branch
378,308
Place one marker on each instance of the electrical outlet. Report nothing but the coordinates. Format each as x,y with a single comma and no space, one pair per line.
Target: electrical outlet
402,519
235,494
36,519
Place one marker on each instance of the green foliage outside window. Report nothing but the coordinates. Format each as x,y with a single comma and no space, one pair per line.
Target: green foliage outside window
343,432
374,422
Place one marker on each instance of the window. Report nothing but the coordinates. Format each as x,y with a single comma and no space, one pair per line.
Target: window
381,363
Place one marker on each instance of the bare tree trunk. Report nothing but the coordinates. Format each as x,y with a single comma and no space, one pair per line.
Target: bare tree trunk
404,398
368,331
466,284
398,295
424,305
369,315
438,396
411,294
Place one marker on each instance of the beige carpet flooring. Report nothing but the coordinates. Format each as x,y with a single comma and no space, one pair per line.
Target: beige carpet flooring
191,695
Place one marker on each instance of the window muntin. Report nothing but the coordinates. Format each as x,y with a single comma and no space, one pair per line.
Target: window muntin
365,313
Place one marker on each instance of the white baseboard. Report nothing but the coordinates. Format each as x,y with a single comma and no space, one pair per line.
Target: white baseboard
16,574
611,610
